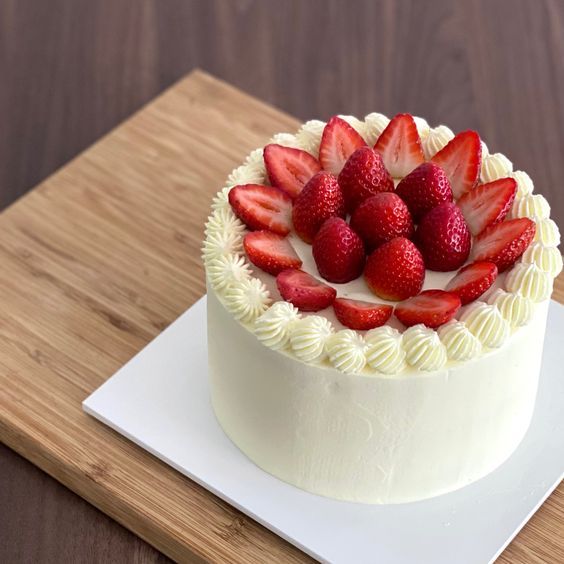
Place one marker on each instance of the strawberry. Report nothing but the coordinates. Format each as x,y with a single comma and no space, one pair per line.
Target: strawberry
289,169
431,307
270,252
461,159
472,281
400,146
424,188
320,199
262,207
395,270
338,142
304,291
381,218
487,204
504,242
364,175
338,251
359,315
444,238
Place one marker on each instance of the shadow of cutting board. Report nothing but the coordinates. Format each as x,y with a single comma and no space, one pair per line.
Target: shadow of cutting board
94,263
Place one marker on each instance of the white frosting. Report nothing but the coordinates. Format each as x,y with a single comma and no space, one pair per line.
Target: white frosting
437,138
459,342
285,139
223,220
486,323
495,166
309,136
308,338
256,158
516,309
547,233
548,259
273,327
375,124
529,281
384,352
221,243
223,271
525,185
221,200
247,299
251,173
424,349
533,206
347,351
422,126
485,150
358,125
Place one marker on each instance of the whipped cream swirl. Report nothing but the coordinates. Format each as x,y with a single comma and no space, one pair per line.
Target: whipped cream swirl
495,166
223,271
548,259
346,350
384,351
422,127
221,200
285,139
486,323
516,309
375,123
424,350
309,135
533,206
223,220
547,233
358,125
247,174
274,327
309,336
530,281
525,185
436,139
460,343
247,299
221,244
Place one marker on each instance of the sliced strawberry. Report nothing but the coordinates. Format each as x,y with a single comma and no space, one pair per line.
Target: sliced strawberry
364,175
504,242
400,146
338,142
320,199
487,204
472,281
431,307
359,315
304,291
381,218
338,251
262,207
270,252
461,159
289,169
395,270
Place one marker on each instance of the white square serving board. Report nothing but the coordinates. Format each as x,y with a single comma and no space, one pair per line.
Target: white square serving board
160,400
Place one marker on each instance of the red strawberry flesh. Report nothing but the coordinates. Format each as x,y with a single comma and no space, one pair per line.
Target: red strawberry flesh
472,281
270,252
360,315
431,307
304,291
338,142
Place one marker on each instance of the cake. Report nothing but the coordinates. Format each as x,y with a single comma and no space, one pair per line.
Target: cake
377,297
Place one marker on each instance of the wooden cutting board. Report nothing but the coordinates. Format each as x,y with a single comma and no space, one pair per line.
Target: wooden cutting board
94,263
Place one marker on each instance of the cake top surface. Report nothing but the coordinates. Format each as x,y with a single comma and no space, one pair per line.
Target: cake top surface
380,246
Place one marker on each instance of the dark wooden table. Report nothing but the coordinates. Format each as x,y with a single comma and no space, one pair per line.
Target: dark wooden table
72,69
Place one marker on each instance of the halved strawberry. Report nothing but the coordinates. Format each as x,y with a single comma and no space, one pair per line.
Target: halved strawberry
461,159
400,146
487,204
338,142
431,307
270,252
289,169
472,281
304,291
262,207
504,242
359,315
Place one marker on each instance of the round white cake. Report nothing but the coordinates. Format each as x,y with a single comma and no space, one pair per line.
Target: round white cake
391,414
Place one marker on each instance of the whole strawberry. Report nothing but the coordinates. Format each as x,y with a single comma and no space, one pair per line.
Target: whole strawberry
395,270
381,218
364,175
443,238
338,251
424,188
320,199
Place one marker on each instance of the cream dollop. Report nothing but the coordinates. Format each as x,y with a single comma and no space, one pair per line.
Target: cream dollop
347,351
495,166
548,259
375,123
460,343
221,243
309,136
533,206
221,199
525,185
274,326
384,351
547,233
223,220
247,174
255,158
285,139
436,140
486,323
358,125
485,150
309,336
422,127
423,348
529,281
516,309
247,299
223,271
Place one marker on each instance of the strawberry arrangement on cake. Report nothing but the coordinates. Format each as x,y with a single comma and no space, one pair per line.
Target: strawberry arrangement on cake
377,302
